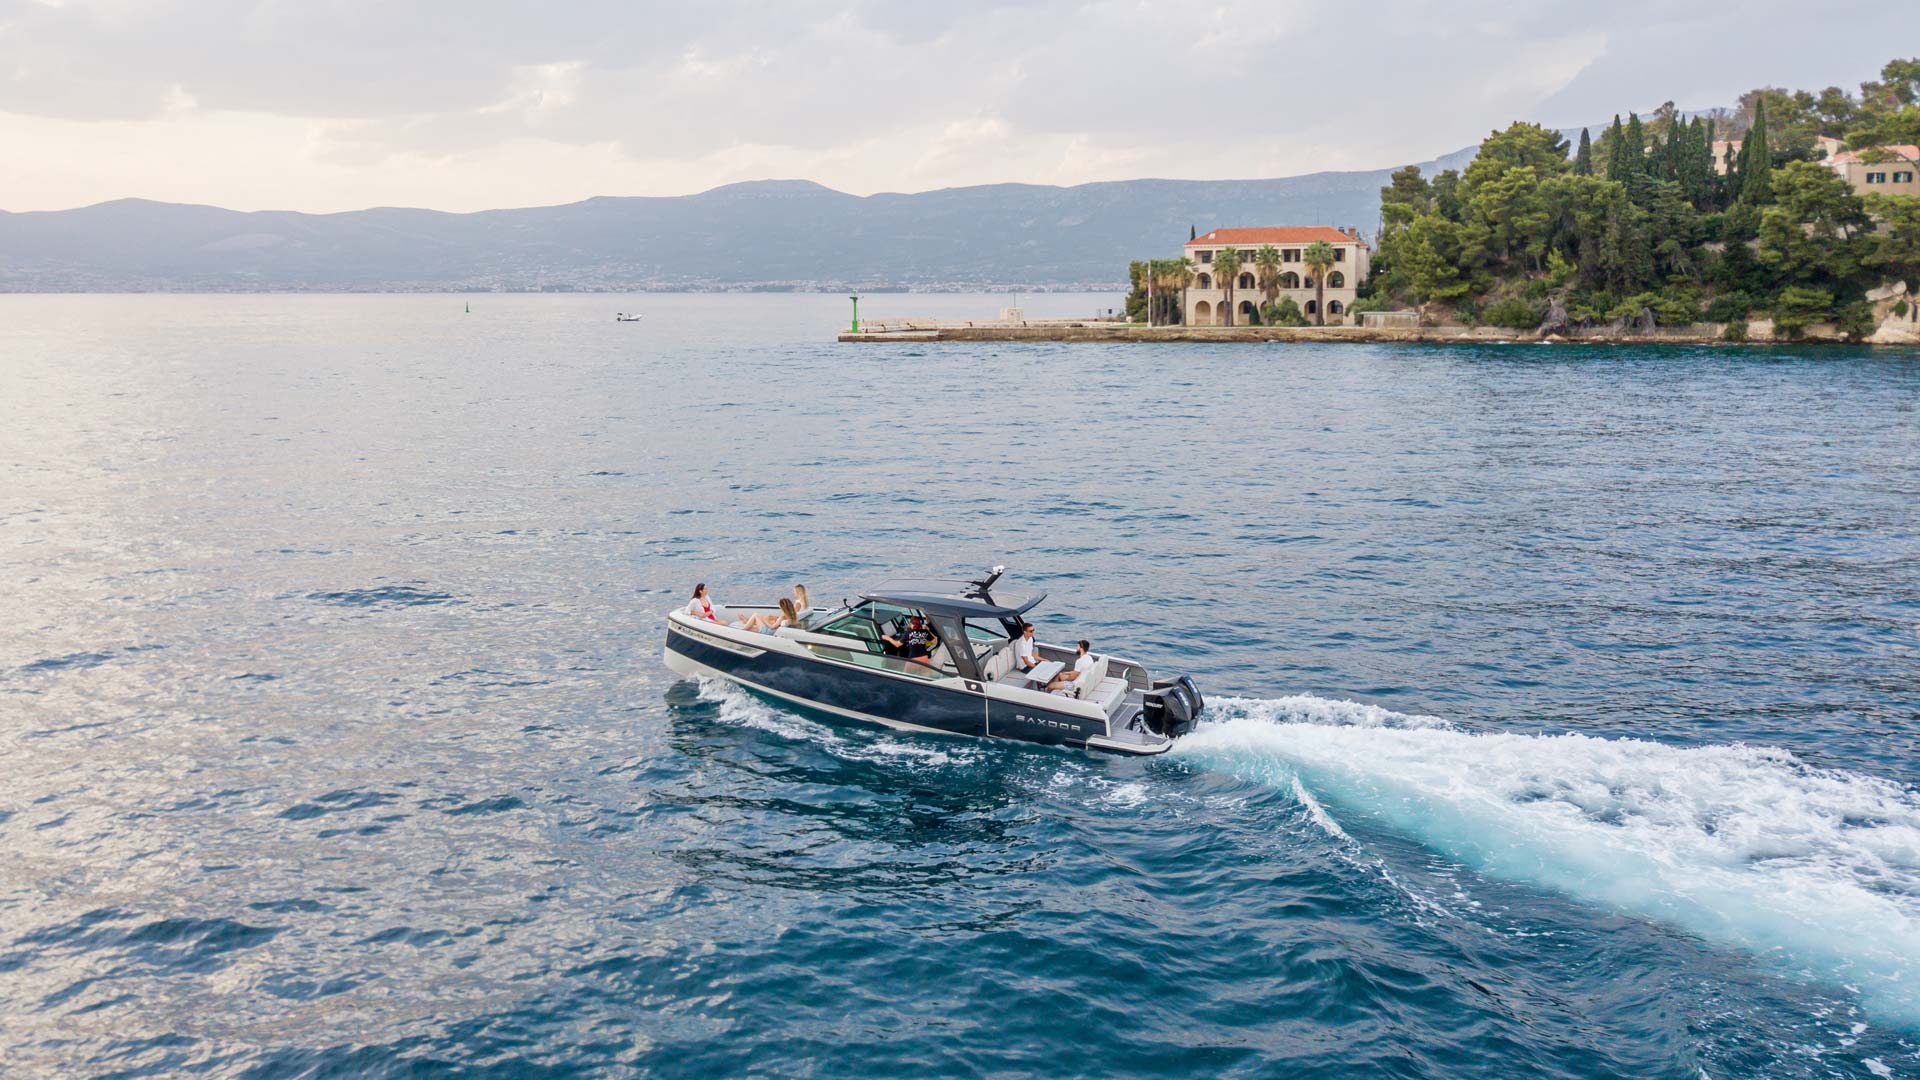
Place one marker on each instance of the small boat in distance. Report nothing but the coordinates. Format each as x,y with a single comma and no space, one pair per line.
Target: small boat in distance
621,316
839,661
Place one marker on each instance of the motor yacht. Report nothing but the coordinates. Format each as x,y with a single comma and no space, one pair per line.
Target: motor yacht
839,661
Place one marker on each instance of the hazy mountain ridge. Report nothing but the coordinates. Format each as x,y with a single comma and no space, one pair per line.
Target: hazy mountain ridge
762,234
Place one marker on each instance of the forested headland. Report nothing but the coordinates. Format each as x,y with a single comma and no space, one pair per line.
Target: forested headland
1659,219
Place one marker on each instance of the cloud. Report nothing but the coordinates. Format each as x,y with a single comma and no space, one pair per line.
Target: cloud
485,102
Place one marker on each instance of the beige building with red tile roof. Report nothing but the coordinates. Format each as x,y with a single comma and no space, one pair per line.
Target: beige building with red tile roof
1892,174
1208,299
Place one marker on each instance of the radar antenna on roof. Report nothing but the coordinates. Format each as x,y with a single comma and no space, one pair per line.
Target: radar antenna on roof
980,587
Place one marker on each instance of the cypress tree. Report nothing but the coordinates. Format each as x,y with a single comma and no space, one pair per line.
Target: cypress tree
1636,145
1699,162
1716,182
1756,161
1193,233
1616,153
1583,158
1679,141
1680,155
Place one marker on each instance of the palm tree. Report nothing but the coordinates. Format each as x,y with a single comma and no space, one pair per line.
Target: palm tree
1226,266
1268,261
1319,259
1172,276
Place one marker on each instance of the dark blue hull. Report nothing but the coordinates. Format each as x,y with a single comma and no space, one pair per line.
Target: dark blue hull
883,697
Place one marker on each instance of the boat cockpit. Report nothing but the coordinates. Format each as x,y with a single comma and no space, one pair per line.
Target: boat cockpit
974,638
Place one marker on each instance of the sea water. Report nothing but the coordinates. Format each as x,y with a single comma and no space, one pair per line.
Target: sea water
1562,700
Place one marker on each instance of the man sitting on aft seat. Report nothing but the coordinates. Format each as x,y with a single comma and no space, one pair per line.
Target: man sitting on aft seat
1083,663
916,644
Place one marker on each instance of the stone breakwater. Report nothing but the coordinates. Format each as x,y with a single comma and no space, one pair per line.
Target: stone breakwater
1759,331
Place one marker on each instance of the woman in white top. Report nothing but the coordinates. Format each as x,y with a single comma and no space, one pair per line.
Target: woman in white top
1025,656
701,606
1083,662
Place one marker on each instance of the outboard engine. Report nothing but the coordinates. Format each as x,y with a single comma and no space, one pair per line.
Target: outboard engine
1172,707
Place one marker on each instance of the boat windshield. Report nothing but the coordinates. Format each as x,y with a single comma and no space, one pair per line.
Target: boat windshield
867,621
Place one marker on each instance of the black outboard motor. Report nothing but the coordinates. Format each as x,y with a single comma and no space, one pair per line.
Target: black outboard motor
1172,707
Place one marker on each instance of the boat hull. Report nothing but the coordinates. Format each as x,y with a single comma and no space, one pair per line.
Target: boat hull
949,706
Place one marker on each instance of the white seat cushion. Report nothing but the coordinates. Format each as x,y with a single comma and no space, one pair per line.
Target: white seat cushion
1109,694
997,665
1087,684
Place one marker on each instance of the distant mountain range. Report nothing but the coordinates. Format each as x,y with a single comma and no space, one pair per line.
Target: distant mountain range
765,235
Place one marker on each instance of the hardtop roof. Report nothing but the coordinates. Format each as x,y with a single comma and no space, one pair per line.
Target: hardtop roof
950,596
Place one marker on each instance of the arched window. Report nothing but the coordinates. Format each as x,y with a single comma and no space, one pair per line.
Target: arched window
1246,307
1246,281
1203,314
1289,280
1333,307
1206,281
1336,280
1311,307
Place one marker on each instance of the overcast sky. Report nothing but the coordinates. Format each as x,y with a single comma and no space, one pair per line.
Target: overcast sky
339,104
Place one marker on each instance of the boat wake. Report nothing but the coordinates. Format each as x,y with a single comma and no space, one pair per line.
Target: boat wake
1745,846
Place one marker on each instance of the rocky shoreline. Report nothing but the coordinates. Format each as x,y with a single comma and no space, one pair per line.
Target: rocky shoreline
1758,332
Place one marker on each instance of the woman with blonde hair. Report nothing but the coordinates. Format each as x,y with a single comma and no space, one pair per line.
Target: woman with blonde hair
767,624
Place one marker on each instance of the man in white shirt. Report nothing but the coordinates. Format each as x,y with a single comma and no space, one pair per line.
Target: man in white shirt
1025,656
1083,661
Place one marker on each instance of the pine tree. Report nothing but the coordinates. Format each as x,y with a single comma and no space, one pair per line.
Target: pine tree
1583,158
1756,161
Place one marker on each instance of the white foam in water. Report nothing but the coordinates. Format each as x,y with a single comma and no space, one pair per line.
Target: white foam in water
1746,846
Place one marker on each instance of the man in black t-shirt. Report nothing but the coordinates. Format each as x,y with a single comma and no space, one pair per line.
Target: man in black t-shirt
916,643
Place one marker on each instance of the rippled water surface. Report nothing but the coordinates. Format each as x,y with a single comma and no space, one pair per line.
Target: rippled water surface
1566,701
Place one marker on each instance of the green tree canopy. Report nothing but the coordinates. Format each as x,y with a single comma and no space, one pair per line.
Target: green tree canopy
1798,307
1446,194
1812,232
1521,145
1889,112
1407,193
1896,250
